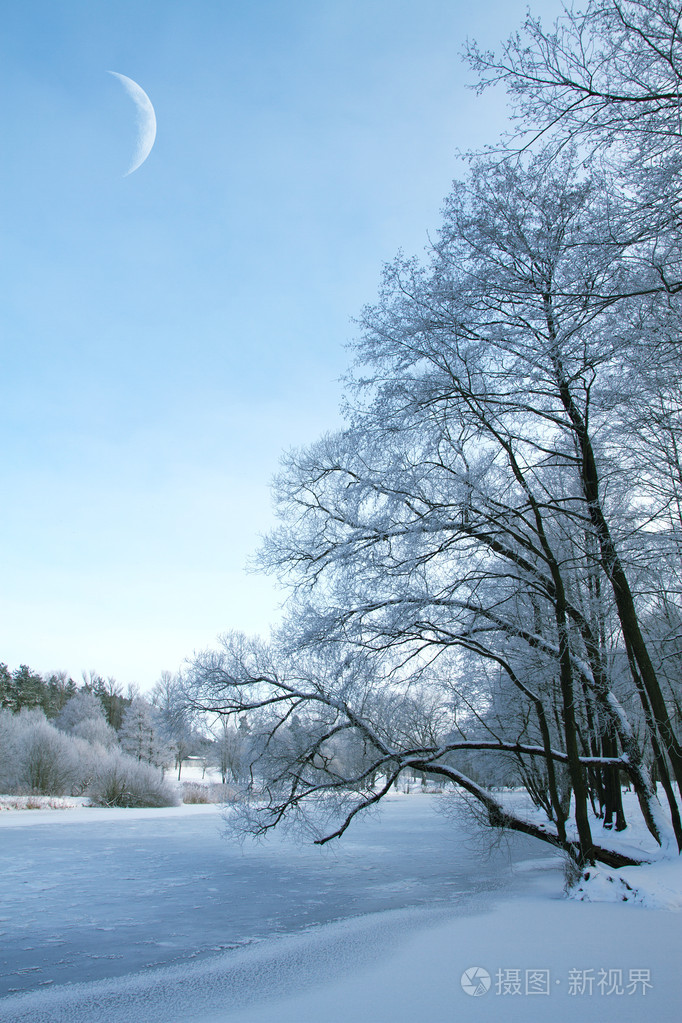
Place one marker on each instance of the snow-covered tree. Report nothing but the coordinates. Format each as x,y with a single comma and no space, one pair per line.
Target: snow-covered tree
605,80
83,716
174,719
231,749
140,735
478,559
110,694
477,519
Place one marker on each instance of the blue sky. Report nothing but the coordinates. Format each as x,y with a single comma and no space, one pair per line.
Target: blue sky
164,336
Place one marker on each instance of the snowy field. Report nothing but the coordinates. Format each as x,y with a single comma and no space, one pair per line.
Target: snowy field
152,916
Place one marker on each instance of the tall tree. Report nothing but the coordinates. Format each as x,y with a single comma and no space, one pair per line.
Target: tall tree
461,527
496,530
174,718
140,735
110,694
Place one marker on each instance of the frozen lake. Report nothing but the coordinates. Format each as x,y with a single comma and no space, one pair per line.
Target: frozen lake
87,895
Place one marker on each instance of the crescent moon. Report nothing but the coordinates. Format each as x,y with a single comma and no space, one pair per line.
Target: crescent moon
146,121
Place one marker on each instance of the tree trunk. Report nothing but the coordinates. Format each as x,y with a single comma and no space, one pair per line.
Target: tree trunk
615,573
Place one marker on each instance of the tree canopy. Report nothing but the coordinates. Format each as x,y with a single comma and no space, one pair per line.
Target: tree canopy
484,563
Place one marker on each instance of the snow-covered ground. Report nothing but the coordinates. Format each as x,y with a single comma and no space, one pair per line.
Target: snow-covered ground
151,916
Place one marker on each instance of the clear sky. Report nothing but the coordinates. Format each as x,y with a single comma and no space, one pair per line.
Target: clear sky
164,336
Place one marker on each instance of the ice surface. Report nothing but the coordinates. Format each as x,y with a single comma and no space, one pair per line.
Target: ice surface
89,894
153,917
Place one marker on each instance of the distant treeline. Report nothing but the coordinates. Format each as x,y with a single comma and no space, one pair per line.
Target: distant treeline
25,688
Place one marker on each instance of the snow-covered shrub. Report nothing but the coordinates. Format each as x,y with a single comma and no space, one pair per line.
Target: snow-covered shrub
96,731
121,780
211,792
46,758
88,757
35,757
195,792
38,758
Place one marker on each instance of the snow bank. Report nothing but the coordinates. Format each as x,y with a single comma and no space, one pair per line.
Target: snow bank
41,802
545,959
656,885
80,812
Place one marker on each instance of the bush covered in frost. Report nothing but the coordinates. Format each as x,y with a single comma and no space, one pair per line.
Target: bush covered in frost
120,780
76,758
211,792
48,760
36,758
